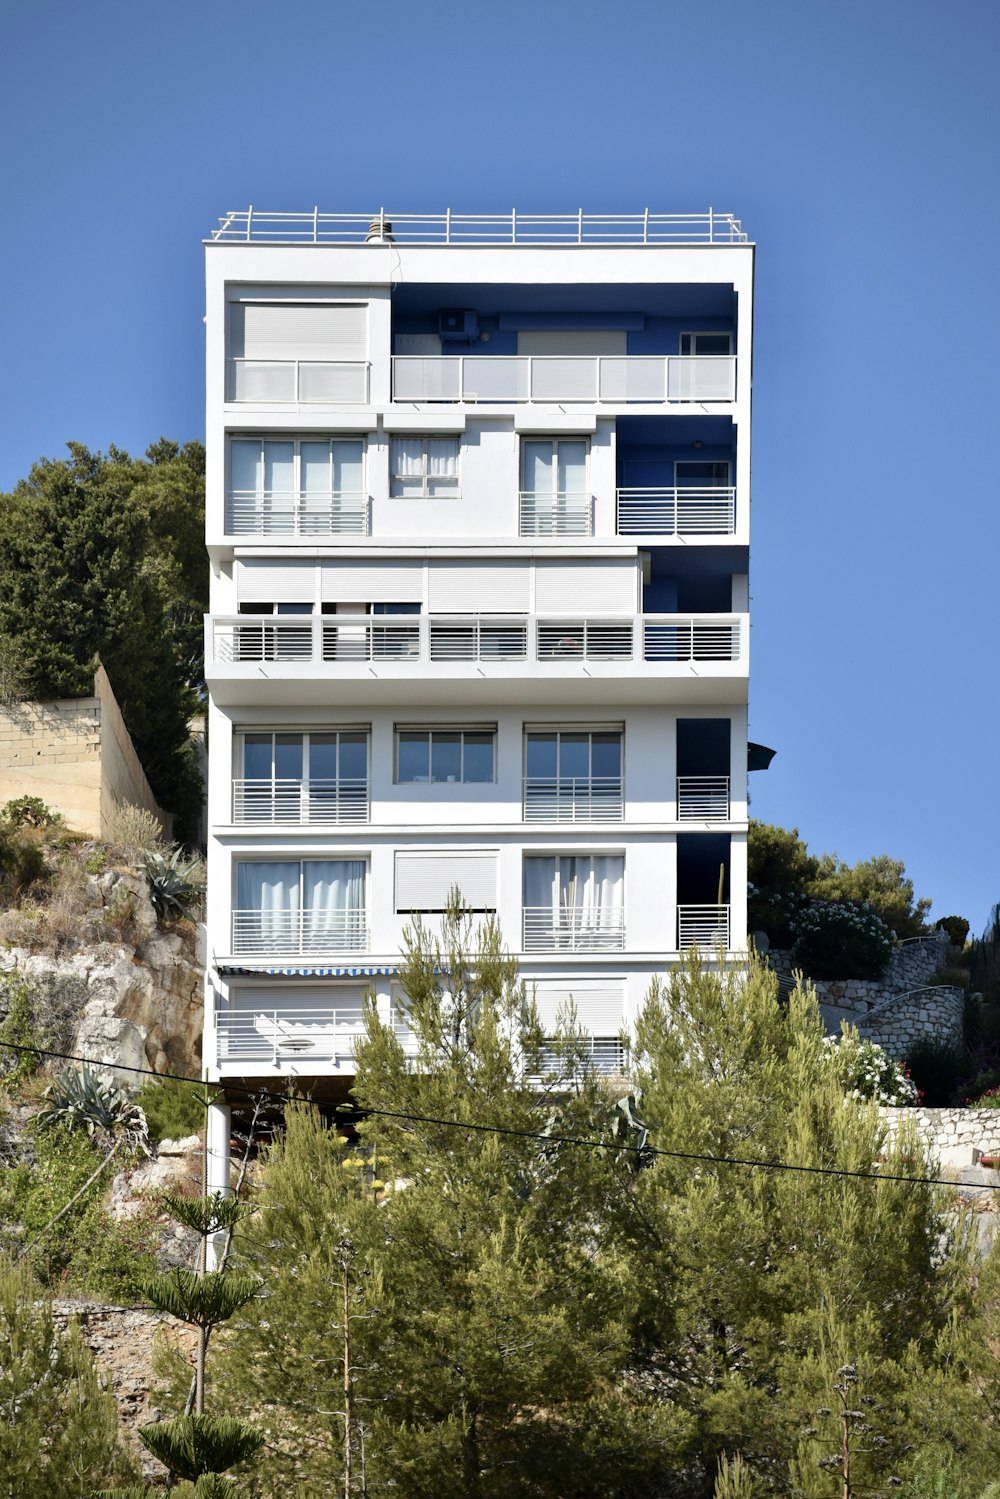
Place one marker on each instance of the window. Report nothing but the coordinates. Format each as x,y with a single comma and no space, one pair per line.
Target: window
573,775
300,906
314,777
438,756
425,881
706,343
695,475
296,487
425,466
574,901
554,497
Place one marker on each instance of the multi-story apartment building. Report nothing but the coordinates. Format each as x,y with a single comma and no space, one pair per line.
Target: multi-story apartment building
478,519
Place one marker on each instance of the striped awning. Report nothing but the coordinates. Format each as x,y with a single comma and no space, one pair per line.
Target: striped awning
299,972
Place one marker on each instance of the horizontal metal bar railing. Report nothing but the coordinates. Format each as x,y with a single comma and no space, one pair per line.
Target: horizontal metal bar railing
555,514
291,801
345,639
251,225
271,513
706,927
304,382
573,928
273,933
605,1055
315,1033
676,512
573,799
703,798
597,379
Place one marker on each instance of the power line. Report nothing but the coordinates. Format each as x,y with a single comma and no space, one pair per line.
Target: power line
644,1151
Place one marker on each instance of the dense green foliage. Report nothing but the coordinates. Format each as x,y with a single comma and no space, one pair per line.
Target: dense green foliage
58,1427
841,941
529,1317
173,1109
102,557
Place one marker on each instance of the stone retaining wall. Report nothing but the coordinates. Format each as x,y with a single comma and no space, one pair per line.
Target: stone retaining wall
911,966
950,1135
925,1015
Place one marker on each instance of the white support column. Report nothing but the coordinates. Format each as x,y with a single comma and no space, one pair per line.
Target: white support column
220,1124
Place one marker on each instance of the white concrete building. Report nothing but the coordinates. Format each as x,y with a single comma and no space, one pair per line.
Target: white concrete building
478,520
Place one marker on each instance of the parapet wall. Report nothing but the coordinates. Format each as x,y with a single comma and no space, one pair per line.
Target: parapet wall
77,756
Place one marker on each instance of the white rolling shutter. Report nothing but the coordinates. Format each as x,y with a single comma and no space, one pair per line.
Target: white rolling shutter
424,880
605,587
599,1008
293,330
372,582
479,587
279,582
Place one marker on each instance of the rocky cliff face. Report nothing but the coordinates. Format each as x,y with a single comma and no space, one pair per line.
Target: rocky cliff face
123,992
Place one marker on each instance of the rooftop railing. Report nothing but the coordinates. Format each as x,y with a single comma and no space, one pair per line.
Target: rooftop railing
252,226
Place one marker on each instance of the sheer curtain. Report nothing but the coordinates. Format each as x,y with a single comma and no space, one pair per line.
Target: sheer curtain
333,903
315,905
267,899
583,893
407,465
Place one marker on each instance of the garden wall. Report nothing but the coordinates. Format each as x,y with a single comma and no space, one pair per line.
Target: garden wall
951,1135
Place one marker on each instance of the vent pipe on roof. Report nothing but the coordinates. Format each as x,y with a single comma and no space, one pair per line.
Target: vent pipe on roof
379,230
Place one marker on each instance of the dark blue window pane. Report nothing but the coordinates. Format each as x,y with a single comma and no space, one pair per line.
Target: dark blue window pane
414,757
478,758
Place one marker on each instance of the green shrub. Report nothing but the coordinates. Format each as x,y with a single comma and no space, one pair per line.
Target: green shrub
776,910
842,942
957,928
22,862
173,1108
29,812
18,1027
937,1067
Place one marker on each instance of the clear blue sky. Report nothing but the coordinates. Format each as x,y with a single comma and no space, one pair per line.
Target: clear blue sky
858,142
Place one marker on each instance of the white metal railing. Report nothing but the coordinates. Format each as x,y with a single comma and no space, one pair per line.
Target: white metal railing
273,933
251,513
344,639
683,511
573,799
555,514
597,379
304,382
604,1055
703,798
295,801
311,1033
572,928
250,225
706,927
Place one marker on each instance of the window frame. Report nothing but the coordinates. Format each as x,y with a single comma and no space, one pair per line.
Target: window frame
694,334
424,493
430,730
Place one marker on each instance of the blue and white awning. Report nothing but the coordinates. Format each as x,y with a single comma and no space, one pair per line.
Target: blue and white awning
298,972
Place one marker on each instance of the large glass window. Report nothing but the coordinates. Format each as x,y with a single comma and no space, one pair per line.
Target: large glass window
706,343
424,466
314,777
307,487
572,774
435,756
554,498
690,474
574,901
296,906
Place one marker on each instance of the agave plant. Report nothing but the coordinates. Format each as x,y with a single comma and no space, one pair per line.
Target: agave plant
176,882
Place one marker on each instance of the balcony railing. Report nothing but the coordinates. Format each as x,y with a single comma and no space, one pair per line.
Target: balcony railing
302,382
253,226
249,513
676,512
703,798
604,1055
573,929
597,379
706,927
291,801
555,514
312,1033
279,933
573,799
667,639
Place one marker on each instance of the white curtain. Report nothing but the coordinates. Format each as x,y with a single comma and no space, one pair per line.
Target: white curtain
268,902
333,903
583,892
323,897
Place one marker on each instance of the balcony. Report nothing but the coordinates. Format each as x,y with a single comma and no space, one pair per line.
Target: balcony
556,515
453,639
284,802
573,799
260,933
705,927
703,798
279,1037
573,929
604,1055
676,512
596,379
249,513
299,382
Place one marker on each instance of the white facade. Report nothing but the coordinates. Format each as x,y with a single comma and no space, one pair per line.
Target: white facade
478,516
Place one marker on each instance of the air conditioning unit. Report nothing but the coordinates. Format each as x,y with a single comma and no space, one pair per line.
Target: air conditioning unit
458,325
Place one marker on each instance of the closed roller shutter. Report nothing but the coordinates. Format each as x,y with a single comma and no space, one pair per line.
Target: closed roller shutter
479,587
599,1009
277,582
424,881
293,330
587,587
372,582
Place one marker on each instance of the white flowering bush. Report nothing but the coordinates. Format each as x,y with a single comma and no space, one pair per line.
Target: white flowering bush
867,1072
842,941
776,911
